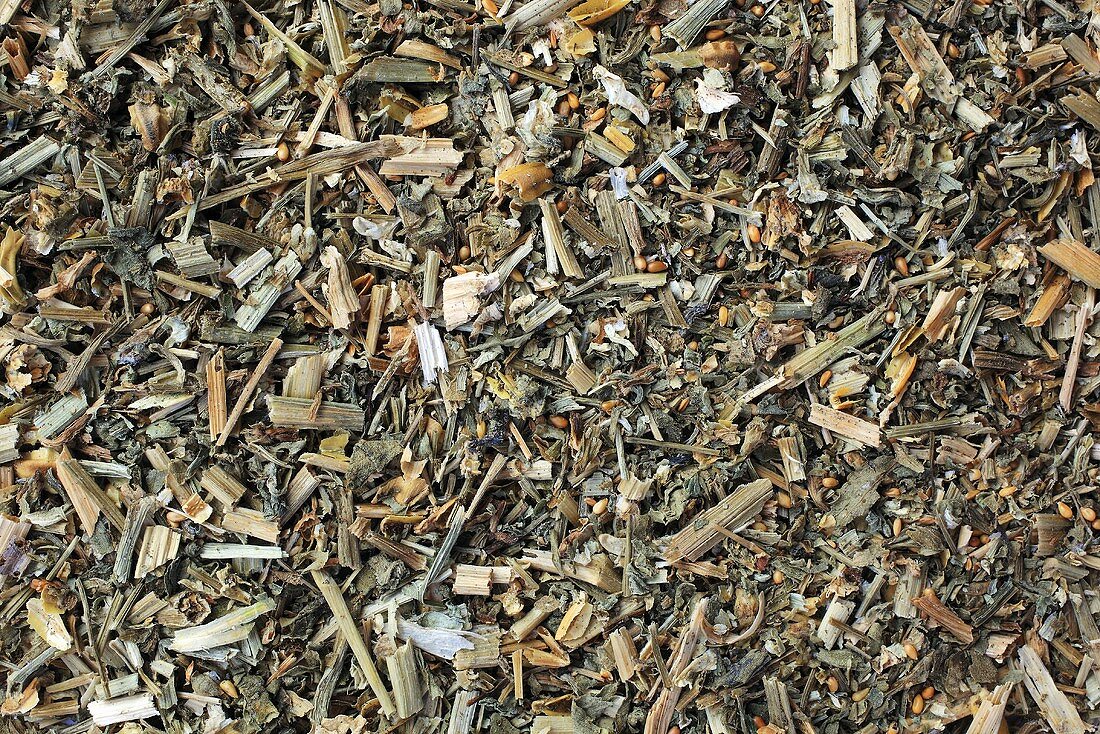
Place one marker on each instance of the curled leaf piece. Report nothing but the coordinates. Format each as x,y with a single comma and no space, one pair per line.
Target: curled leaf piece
592,12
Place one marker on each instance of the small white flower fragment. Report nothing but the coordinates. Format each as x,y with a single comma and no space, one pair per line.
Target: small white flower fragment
618,183
1078,149
711,93
618,332
619,95
433,356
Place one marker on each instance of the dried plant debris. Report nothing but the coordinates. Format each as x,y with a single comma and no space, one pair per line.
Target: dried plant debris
549,366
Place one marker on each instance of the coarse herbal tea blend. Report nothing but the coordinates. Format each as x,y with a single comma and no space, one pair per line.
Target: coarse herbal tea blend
550,366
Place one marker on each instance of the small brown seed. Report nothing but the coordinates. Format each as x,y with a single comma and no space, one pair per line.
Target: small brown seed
918,705
754,233
897,526
860,694
149,308
655,34
640,262
829,482
659,179
283,152
464,252
559,421
656,266
767,67
757,10
911,651
562,206
574,100
715,33
901,266
229,688
832,684
723,315
659,90
778,577
953,51
722,261
825,377
890,317
784,500
928,693
598,115
661,75
1065,510
600,507
513,78
608,405
1088,514
482,429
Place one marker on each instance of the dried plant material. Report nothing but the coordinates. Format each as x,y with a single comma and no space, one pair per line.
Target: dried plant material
10,292
536,13
1080,262
991,711
407,692
420,157
843,424
250,267
215,394
1054,296
845,35
929,604
416,49
592,12
432,352
685,29
118,710
1059,712
729,515
225,488
618,94
228,629
425,117
838,611
251,523
532,180
625,653
411,485
580,43
89,500
335,600
462,296
49,625
712,95
27,158
343,300
660,715
306,414
551,365
159,545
